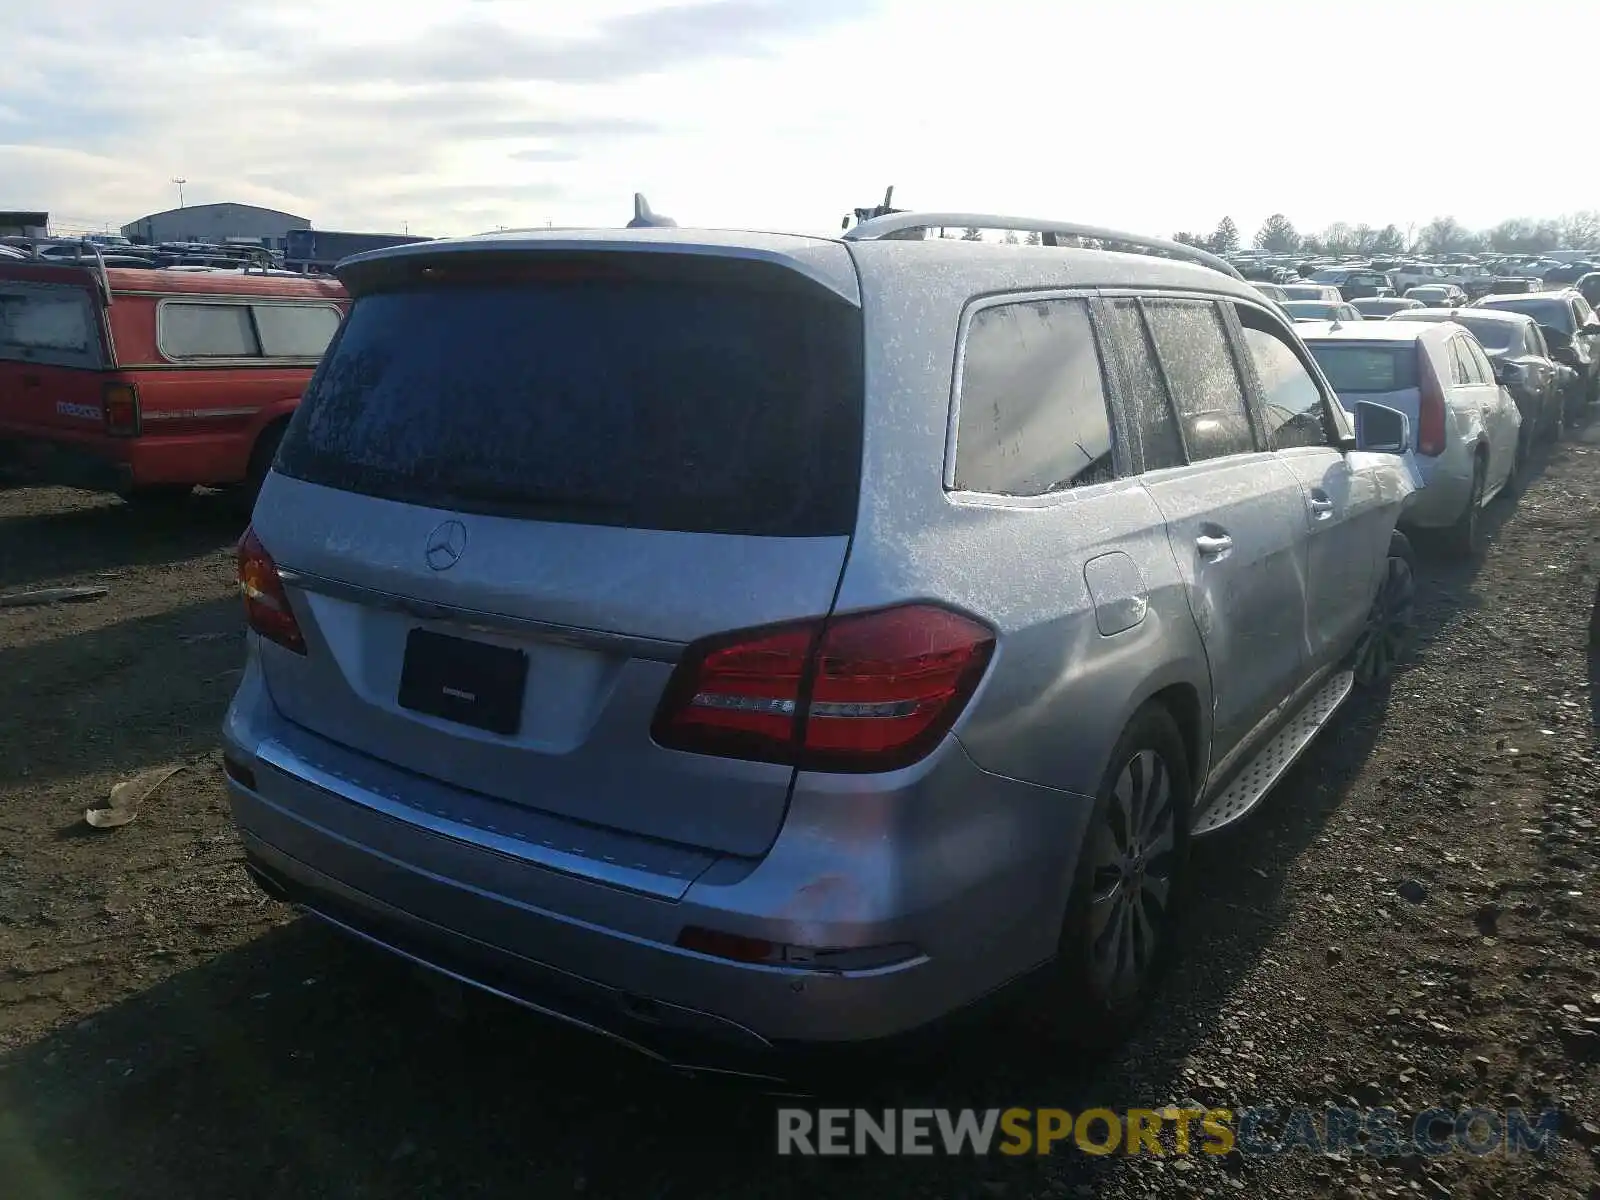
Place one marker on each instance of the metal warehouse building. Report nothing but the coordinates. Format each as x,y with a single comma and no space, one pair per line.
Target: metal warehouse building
216,223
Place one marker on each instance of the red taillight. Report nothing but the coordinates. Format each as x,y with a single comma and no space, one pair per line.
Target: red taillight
119,404
866,691
266,604
1430,412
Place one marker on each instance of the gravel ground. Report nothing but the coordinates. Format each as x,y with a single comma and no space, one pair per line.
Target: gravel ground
1412,919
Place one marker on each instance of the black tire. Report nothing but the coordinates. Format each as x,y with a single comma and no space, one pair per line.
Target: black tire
1518,477
158,496
1555,422
1461,539
1391,626
1115,941
261,456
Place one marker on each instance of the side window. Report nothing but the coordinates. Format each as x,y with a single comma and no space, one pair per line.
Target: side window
48,323
1536,342
206,331
1481,361
1294,409
1458,363
1149,407
295,330
1581,311
1192,344
1033,416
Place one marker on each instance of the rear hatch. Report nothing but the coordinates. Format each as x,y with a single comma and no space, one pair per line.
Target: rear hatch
51,353
552,469
1384,372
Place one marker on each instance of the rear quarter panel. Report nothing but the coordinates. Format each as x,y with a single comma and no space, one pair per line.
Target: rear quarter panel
1059,691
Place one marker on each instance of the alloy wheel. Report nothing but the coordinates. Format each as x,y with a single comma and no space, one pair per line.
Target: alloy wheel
1390,623
1133,865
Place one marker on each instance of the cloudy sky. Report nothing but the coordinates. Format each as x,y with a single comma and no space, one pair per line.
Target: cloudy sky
455,116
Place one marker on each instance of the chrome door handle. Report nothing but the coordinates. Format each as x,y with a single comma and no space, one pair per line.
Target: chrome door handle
1323,509
1213,546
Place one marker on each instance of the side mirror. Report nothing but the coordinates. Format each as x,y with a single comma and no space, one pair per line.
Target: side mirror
1381,428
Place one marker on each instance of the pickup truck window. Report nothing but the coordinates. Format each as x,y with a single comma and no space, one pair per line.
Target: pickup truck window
49,324
232,329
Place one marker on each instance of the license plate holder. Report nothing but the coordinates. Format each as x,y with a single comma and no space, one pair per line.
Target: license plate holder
464,681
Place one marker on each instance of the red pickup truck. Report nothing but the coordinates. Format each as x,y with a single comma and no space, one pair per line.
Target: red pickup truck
148,382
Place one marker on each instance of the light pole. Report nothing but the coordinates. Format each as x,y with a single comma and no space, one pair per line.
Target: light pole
180,182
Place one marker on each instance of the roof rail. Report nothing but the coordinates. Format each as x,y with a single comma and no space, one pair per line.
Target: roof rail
894,223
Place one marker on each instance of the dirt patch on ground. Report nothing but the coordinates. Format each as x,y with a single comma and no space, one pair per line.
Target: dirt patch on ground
1413,920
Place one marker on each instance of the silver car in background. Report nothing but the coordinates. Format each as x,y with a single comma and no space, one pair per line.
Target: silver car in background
732,642
1469,445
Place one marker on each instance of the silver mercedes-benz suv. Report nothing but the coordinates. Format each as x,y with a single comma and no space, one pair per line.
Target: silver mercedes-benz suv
728,641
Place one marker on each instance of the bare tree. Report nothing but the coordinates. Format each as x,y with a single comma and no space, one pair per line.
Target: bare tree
1580,230
1389,240
1338,238
1444,235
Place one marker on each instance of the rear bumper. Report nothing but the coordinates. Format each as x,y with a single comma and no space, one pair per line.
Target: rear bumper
591,950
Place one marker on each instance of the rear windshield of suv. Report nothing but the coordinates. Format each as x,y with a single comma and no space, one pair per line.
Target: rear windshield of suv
1557,314
1493,336
726,403
1352,367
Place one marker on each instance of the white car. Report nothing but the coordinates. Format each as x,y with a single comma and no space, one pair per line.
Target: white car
1418,274
1312,291
1321,310
1467,429
1438,295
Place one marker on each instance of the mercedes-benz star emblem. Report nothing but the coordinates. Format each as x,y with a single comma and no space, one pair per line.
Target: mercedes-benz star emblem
446,545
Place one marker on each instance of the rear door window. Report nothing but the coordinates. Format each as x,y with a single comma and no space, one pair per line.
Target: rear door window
1033,416
1143,391
652,391
50,324
1480,361
1352,367
1192,344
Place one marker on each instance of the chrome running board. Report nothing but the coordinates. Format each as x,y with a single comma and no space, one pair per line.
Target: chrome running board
1251,785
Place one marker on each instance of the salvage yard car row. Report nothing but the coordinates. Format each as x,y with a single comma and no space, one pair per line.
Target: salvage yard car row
738,644
1508,370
